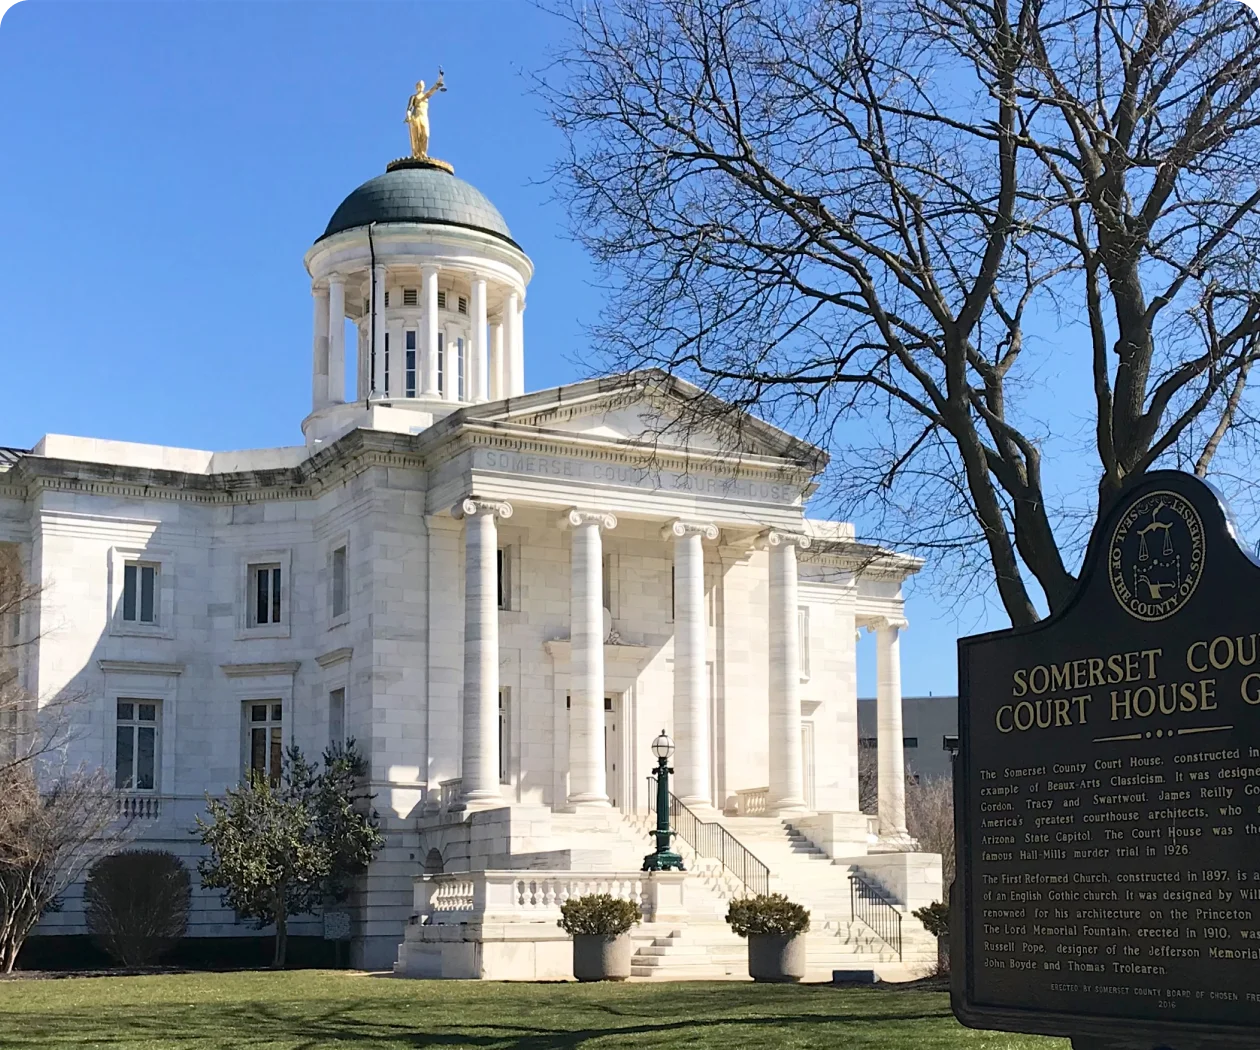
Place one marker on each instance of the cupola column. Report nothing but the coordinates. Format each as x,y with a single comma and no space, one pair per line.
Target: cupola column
376,335
429,324
319,367
336,335
496,361
478,386
513,355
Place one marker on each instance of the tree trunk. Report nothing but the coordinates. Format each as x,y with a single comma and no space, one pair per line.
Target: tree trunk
8,958
282,938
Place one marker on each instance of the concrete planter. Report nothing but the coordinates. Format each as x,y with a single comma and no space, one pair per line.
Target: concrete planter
601,957
774,957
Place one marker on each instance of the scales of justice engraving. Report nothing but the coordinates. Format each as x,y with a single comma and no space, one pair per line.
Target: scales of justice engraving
1156,555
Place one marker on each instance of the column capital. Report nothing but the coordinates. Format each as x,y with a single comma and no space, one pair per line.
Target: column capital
573,517
779,538
874,624
678,528
425,271
472,506
320,289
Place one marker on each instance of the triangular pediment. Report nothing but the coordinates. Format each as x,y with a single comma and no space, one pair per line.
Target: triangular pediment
651,408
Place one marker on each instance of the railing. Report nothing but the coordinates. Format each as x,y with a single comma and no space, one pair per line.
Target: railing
451,792
139,807
752,802
709,839
868,905
517,896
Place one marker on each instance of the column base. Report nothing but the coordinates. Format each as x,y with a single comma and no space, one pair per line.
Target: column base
588,801
479,800
698,804
786,807
898,841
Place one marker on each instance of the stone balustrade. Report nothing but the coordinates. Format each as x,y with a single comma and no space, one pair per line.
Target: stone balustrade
451,791
751,802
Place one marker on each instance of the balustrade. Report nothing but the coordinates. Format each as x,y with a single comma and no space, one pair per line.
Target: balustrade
520,896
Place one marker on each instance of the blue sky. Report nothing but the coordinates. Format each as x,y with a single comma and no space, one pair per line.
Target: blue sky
168,164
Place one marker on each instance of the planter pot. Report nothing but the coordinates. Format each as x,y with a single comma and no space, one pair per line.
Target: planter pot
601,957
776,957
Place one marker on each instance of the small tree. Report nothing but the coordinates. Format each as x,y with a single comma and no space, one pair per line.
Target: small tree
280,849
46,840
137,904
930,819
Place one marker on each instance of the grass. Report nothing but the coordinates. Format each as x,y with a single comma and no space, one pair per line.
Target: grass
310,1009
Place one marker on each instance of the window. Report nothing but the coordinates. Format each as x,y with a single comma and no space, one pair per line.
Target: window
441,363
606,598
463,305
459,369
909,741
265,605
868,743
386,379
139,604
504,571
387,298
337,716
441,300
409,297
135,755
266,738
504,710
802,629
409,345
340,595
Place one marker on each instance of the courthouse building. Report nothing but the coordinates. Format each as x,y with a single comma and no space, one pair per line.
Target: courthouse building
502,595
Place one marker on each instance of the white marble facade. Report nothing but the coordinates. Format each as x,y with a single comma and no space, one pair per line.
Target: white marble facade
501,596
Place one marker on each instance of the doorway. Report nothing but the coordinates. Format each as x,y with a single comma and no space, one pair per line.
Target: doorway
612,749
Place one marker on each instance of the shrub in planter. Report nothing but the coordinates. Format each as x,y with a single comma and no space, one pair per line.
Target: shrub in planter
600,925
774,926
136,904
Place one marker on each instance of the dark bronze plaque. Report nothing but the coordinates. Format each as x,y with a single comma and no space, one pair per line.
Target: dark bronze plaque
1108,792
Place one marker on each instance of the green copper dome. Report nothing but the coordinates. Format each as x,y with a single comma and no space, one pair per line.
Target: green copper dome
425,194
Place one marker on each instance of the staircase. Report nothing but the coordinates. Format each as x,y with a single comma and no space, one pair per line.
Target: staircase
705,948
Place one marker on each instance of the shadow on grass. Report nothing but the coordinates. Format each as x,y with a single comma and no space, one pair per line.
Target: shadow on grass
570,1025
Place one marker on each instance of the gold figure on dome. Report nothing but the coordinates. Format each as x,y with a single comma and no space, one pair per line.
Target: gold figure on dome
418,116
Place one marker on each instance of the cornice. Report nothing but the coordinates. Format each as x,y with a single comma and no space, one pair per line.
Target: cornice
140,667
334,656
261,670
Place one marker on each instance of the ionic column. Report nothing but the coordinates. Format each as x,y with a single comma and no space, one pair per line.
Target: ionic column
890,743
513,355
428,332
478,365
336,327
496,362
691,681
587,781
319,365
481,646
376,334
787,793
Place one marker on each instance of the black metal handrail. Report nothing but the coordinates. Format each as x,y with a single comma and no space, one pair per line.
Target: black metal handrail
868,905
709,839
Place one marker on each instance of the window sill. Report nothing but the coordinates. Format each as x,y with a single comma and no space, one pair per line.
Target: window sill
140,630
269,630
339,621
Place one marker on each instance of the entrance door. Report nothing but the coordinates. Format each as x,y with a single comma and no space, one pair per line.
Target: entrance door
612,749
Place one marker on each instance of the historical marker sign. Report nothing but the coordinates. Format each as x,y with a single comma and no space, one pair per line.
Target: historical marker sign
1108,792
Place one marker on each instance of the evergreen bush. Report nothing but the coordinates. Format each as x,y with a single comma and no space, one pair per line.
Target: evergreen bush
599,914
770,913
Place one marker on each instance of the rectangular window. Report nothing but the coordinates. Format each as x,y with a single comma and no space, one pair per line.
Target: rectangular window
139,592
409,345
459,369
266,738
909,741
504,711
441,300
337,716
387,298
463,305
409,297
504,572
135,755
802,628
607,579
265,601
340,594
441,363
386,390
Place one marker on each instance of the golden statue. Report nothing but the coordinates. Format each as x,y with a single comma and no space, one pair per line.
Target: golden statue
418,116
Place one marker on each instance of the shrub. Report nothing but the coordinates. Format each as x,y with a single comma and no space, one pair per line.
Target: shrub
935,918
598,913
137,904
769,913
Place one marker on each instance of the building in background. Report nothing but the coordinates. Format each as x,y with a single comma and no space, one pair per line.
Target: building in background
926,721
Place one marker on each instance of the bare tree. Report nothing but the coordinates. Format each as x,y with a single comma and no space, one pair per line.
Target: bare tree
930,819
883,223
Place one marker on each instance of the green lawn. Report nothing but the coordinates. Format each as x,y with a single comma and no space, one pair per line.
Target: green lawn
311,1009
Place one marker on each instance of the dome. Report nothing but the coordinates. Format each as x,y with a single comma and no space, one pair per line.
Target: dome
419,192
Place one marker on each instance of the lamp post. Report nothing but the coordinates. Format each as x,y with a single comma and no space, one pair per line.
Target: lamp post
663,859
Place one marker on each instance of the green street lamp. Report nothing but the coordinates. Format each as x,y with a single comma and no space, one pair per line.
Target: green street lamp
664,859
